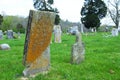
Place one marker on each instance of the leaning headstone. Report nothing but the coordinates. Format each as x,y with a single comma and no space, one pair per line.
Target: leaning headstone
57,34
1,34
9,34
114,32
78,50
37,43
4,47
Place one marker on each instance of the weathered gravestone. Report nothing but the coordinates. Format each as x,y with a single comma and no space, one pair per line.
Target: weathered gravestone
18,35
119,29
4,46
37,50
9,34
1,34
78,51
114,32
57,34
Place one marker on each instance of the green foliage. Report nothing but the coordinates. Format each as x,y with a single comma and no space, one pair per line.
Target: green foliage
91,20
20,28
92,12
10,22
50,1
1,19
102,59
43,5
7,23
57,19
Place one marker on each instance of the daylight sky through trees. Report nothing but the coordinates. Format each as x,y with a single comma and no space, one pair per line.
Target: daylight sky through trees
69,9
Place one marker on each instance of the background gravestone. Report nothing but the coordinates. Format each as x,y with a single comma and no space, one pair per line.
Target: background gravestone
78,50
57,34
9,34
36,50
114,32
18,35
1,34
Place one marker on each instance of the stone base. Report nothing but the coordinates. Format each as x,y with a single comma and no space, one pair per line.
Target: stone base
40,65
33,73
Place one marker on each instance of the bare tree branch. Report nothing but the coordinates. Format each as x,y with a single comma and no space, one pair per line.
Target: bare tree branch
115,15
112,3
112,15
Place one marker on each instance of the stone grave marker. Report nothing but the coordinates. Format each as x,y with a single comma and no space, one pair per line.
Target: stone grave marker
119,29
114,32
78,50
4,46
1,34
19,36
9,34
57,34
37,43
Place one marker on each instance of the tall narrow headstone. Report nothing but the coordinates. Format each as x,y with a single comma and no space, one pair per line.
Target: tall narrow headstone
57,34
9,34
82,26
18,35
37,50
78,50
1,34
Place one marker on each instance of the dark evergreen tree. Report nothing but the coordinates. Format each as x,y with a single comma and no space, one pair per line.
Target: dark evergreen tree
19,27
43,5
92,12
57,20
1,19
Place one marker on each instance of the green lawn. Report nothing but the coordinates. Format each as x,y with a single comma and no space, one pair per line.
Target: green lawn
102,59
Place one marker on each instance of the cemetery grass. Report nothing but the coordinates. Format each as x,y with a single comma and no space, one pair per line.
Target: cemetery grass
102,59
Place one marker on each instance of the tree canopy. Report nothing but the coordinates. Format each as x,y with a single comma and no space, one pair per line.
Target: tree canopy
114,11
43,5
92,12
11,22
57,20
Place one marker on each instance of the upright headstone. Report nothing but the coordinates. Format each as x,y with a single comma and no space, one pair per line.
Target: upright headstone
78,50
37,50
9,34
119,29
18,35
82,28
1,34
114,32
57,34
